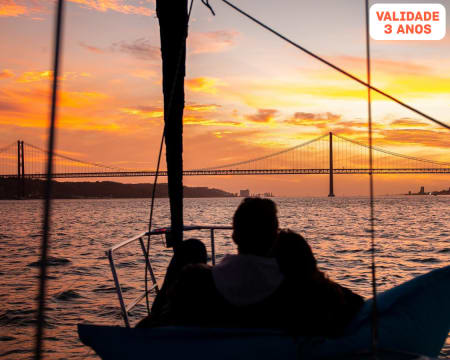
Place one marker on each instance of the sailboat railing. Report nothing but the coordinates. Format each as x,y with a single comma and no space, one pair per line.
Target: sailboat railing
125,309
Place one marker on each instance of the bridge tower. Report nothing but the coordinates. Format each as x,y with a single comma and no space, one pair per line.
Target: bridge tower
331,192
20,170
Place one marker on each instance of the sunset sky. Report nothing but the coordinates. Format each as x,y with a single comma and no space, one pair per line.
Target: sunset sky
247,93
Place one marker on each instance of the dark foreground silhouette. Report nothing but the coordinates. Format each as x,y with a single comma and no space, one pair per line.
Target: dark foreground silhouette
273,282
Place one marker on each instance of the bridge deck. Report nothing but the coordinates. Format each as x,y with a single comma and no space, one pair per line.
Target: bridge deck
240,172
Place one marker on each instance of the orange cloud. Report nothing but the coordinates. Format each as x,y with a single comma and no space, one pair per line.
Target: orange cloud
91,48
221,134
77,99
141,49
65,121
319,120
75,122
11,8
120,6
262,115
31,97
33,76
408,123
211,42
417,137
25,7
8,106
6,74
355,124
203,84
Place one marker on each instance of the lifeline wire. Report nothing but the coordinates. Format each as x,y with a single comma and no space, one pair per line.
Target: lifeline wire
48,183
335,67
374,323
206,3
159,160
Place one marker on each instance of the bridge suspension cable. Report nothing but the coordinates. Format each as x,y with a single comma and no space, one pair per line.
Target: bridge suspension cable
266,156
393,153
81,162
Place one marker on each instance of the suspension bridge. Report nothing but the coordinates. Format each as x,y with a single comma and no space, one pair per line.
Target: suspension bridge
329,154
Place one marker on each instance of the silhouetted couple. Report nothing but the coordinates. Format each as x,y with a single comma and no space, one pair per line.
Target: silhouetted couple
272,282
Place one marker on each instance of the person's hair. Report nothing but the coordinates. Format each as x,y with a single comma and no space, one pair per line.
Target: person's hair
255,226
294,255
191,251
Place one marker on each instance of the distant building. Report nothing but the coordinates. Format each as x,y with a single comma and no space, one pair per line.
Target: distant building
244,193
409,193
422,190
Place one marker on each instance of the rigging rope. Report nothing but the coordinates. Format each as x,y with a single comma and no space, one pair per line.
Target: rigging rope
169,107
374,317
206,3
335,67
48,183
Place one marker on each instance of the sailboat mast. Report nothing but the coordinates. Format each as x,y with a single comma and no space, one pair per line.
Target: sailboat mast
173,18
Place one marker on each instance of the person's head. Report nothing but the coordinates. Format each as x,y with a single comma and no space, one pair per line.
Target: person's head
191,251
294,255
255,226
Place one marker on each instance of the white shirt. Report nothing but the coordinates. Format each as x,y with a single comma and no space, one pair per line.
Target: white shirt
246,279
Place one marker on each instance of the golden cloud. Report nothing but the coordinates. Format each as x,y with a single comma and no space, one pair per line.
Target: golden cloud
201,119
34,76
275,93
408,123
6,74
206,85
76,122
144,112
202,107
81,99
263,115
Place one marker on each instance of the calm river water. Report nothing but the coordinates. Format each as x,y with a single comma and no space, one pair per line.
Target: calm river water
413,237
